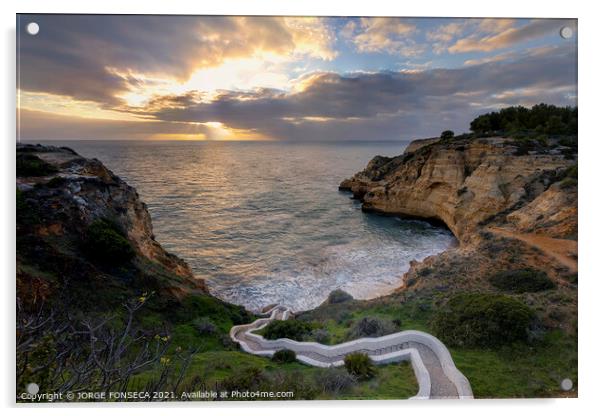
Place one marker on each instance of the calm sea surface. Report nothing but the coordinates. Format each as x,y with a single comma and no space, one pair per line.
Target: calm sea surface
264,223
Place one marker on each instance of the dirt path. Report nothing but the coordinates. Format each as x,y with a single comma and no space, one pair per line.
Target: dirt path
563,251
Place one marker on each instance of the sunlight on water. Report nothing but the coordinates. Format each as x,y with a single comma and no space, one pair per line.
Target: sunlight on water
264,223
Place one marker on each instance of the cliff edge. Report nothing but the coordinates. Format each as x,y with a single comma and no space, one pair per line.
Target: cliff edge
468,184
510,207
84,236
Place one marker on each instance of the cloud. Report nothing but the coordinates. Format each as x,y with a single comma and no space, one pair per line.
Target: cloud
330,106
382,34
493,34
98,58
121,65
41,125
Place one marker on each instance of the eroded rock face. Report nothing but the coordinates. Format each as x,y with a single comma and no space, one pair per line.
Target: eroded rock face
462,183
65,203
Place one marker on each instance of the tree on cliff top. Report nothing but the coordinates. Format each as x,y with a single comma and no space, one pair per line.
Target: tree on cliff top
447,135
540,119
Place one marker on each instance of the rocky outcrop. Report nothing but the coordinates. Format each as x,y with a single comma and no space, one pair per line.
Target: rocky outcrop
509,209
61,194
469,183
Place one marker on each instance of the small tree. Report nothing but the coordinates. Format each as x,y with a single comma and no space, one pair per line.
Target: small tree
284,356
360,365
447,135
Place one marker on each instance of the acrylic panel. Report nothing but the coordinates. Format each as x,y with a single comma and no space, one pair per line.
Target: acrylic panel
295,208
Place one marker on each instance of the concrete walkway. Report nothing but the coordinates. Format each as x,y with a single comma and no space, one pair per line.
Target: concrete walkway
436,373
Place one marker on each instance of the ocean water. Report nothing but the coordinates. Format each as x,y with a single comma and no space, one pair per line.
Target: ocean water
264,223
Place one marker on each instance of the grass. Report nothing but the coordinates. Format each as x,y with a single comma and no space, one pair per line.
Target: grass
393,381
522,369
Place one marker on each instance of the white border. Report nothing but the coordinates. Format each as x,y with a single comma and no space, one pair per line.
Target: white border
590,153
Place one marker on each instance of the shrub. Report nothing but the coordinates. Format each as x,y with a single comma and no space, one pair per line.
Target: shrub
248,378
31,165
106,242
572,278
292,329
571,172
284,356
204,325
371,327
447,135
482,320
360,365
26,213
334,380
303,388
338,296
321,335
522,280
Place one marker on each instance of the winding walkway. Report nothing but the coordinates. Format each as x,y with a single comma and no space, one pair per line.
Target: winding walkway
436,373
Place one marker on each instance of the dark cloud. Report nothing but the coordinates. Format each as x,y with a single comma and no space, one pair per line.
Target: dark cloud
386,105
91,57
96,59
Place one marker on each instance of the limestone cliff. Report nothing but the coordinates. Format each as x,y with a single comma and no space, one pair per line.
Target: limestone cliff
509,208
468,183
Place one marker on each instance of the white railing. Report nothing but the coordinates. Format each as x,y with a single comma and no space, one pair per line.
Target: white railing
332,353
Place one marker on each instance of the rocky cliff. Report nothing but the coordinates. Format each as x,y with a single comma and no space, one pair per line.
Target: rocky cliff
63,203
469,183
509,208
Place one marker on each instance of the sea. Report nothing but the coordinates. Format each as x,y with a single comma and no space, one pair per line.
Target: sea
264,222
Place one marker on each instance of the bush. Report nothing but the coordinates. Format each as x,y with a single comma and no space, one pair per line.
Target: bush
248,378
522,280
284,356
334,380
447,135
321,335
204,325
303,388
482,320
291,329
371,327
106,242
338,296
31,165
360,365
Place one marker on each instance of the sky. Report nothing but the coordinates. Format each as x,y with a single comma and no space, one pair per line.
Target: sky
108,77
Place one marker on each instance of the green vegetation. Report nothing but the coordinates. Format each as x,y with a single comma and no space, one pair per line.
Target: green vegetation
371,327
447,135
360,365
338,296
284,356
234,370
570,177
291,329
26,213
482,320
106,242
531,368
31,165
522,281
540,119
521,370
